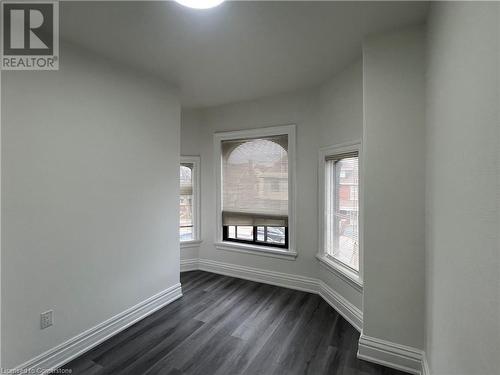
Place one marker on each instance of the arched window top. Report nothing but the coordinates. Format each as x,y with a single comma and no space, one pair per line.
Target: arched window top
186,179
262,151
185,174
255,180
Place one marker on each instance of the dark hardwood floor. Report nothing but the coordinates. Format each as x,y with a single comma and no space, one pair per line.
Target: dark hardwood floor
228,326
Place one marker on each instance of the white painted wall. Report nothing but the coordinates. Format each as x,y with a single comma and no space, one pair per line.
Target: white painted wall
393,75
190,146
341,120
324,115
90,165
341,107
98,234
463,124
299,108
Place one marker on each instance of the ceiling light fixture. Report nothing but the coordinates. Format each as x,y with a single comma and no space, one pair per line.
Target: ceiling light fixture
200,4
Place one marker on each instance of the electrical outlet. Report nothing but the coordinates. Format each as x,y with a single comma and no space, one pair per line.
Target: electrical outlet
46,319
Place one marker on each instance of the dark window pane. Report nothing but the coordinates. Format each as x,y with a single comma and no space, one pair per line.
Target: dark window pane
231,233
186,233
245,233
260,234
276,235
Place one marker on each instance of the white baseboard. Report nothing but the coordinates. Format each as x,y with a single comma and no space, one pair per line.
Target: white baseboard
425,366
189,265
386,353
285,280
370,349
345,308
350,312
74,347
375,350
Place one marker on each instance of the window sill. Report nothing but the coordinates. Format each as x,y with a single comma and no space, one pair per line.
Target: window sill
341,271
190,244
256,250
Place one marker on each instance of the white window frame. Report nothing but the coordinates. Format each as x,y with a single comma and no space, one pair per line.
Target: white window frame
196,162
345,272
219,137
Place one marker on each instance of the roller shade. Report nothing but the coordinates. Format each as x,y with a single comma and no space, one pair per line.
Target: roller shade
186,172
239,218
255,181
345,155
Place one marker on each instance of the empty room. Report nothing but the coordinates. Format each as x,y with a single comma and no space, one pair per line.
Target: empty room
218,187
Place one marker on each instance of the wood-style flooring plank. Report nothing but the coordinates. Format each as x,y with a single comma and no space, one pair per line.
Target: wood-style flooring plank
228,326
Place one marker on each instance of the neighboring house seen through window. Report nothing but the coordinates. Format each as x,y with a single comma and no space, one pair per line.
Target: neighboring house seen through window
188,204
255,191
342,208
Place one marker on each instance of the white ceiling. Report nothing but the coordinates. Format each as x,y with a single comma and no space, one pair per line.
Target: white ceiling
237,51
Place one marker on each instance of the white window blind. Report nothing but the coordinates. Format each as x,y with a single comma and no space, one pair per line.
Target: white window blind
342,208
186,202
255,181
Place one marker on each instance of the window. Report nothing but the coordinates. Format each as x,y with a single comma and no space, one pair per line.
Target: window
255,188
340,209
189,199
260,235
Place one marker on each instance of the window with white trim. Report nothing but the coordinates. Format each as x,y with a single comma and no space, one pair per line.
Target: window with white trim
255,191
341,240
255,209
189,199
